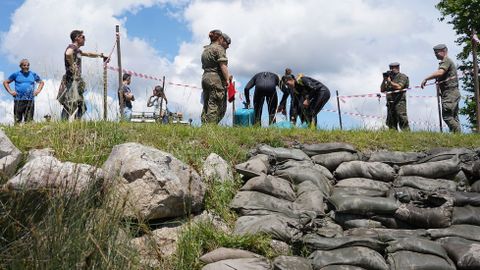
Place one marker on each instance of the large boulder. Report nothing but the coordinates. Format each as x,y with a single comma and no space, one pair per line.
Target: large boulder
153,184
216,168
10,156
48,173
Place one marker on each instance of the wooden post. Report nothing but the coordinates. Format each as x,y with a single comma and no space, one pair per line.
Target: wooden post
120,81
439,103
105,78
475,80
339,112
233,107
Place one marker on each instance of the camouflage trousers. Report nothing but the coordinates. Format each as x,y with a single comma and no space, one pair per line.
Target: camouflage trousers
397,114
450,100
214,98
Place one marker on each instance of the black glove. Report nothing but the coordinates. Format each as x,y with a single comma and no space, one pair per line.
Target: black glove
246,104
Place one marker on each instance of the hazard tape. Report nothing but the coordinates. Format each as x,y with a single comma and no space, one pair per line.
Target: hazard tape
136,74
475,37
425,123
110,54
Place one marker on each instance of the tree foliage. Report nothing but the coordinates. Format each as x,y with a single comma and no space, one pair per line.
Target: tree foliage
464,16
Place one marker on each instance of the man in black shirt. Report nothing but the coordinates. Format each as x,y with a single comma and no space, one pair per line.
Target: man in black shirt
265,88
295,109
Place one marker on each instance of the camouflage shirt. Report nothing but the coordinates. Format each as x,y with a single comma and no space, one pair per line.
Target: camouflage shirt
449,81
212,56
400,79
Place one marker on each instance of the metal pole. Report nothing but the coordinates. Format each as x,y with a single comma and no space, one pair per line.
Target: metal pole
475,80
105,91
339,112
439,103
120,81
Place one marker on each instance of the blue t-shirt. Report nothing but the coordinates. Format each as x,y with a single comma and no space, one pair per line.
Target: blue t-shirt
24,84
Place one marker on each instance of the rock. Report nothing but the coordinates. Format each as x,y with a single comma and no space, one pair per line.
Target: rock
10,156
280,247
248,263
153,183
216,221
161,242
216,168
48,173
34,153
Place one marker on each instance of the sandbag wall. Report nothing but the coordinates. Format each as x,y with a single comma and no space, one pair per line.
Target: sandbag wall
352,210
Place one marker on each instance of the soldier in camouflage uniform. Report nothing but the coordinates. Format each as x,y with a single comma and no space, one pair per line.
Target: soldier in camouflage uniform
446,77
215,77
393,80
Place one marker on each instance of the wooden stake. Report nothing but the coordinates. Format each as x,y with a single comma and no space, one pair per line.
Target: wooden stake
120,81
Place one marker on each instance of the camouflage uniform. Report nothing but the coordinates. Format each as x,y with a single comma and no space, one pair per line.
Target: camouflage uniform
450,94
397,103
213,84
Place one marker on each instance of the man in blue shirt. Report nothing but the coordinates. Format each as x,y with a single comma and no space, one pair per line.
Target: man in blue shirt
24,93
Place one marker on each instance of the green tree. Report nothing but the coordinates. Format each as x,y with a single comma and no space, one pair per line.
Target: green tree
464,16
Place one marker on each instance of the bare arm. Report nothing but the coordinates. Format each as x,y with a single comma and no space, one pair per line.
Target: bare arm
437,74
93,55
39,89
6,84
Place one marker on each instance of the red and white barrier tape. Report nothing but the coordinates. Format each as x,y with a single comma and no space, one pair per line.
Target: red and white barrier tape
425,123
133,73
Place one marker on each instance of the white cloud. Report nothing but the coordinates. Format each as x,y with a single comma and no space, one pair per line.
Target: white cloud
345,44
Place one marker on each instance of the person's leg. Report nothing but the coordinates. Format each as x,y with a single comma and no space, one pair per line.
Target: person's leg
318,103
127,114
17,111
272,102
258,100
402,118
450,102
29,110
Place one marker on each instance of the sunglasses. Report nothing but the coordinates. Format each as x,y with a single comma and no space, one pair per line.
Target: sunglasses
82,36
25,65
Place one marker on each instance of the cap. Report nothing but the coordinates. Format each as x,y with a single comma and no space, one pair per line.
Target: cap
440,47
394,64
227,38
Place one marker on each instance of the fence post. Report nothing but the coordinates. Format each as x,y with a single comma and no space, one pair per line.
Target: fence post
339,112
439,103
105,78
120,81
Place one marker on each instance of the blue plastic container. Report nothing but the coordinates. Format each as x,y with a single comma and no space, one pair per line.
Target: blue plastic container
243,117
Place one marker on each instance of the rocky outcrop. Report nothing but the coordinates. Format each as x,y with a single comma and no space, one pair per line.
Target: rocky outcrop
216,168
152,183
10,156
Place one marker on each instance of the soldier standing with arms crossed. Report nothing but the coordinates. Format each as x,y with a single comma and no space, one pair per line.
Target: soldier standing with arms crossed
446,77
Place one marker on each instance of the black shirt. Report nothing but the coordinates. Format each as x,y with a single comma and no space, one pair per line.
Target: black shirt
263,82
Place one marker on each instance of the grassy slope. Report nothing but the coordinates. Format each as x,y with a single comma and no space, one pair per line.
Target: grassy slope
62,229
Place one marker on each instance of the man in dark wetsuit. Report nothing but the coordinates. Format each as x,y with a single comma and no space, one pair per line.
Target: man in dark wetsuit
265,88
70,94
313,93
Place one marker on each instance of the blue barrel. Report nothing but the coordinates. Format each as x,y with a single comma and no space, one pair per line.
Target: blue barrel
243,117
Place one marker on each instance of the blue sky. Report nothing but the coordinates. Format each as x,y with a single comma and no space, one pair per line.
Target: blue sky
347,47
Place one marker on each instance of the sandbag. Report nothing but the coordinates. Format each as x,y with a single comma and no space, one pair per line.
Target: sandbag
356,256
438,154
291,263
244,264
325,148
386,234
465,253
253,167
396,157
423,183
326,227
363,183
315,242
423,246
363,205
276,226
435,169
402,260
288,164
342,267
466,198
271,185
256,203
222,253
391,222
372,170
280,153
309,198
469,232
332,160
407,194
362,223
466,215
299,175
354,191
438,217
475,187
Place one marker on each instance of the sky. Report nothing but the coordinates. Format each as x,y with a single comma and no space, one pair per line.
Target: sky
344,44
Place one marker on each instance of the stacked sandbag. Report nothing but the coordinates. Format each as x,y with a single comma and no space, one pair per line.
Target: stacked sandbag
379,210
